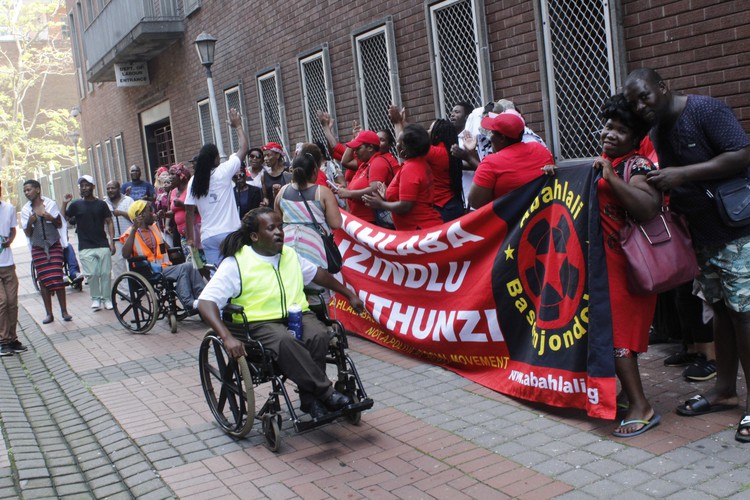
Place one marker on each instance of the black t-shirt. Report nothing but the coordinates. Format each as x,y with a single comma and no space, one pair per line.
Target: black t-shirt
706,128
90,217
248,199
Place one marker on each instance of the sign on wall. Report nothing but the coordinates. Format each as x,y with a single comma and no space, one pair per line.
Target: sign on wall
133,74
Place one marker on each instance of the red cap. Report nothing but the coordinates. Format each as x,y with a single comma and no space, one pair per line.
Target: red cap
509,124
364,137
275,147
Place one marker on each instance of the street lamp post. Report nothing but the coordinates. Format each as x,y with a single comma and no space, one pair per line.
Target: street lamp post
205,45
73,136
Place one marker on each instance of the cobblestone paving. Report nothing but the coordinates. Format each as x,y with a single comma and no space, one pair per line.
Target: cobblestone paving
91,411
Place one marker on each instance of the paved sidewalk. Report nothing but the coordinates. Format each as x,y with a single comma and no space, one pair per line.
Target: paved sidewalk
92,411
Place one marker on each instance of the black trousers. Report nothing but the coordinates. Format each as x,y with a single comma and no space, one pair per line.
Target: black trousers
302,362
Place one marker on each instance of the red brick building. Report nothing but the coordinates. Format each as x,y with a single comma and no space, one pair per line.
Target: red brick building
279,63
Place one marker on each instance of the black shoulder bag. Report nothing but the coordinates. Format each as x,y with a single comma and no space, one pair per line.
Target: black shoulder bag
333,255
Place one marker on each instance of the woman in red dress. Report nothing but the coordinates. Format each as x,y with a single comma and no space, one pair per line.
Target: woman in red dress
631,314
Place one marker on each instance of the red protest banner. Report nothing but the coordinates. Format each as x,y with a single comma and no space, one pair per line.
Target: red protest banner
500,296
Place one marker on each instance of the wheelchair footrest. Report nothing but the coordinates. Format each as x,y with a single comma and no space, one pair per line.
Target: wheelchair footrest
303,425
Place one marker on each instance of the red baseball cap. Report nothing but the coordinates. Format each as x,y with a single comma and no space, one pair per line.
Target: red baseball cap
364,137
509,124
275,147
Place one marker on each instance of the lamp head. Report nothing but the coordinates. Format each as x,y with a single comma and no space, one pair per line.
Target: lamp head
205,45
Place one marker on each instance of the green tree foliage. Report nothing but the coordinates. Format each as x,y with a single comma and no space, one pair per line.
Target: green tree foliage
34,55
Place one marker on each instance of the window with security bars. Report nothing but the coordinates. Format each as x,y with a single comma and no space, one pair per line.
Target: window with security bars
271,113
122,166
459,63
232,99
164,147
581,59
99,176
204,122
108,154
377,77
316,92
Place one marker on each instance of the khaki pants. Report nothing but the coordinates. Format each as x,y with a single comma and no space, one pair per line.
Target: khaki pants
8,304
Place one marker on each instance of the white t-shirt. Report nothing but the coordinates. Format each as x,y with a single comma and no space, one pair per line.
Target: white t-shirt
7,221
218,209
227,282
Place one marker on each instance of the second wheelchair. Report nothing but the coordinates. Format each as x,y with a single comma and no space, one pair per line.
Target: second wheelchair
141,296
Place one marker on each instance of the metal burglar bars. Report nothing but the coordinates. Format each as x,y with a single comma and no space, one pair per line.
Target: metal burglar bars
205,123
377,77
268,94
99,175
232,100
164,147
457,58
580,58
112,175
316,92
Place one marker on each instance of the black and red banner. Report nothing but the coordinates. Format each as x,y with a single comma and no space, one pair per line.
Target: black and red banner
513,296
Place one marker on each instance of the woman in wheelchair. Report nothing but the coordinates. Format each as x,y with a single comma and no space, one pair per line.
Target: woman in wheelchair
145,238
265,278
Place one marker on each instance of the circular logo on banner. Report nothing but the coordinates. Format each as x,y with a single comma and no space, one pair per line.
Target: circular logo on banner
538,282
551,267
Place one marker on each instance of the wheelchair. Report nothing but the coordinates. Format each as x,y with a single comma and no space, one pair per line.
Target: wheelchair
147,296
229,384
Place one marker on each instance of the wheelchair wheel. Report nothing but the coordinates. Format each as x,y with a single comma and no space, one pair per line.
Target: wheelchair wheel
173,323
228,387
354,417
137,309
34,278
272,431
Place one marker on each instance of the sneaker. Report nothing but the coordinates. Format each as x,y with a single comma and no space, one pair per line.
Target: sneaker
684,358
96,305
18,347
108,305
700,370
78,278
6,350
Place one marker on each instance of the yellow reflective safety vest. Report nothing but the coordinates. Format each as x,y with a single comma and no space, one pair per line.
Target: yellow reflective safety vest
267,292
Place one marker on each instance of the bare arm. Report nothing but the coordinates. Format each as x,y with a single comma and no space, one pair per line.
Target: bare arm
479,196
209,312
235,121
189,223
641,200
330,208
721,166
398,118
326,280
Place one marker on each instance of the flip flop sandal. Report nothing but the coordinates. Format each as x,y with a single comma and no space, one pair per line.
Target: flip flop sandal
647,424
698,405
744,425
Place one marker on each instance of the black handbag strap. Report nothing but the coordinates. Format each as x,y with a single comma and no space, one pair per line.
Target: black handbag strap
315,222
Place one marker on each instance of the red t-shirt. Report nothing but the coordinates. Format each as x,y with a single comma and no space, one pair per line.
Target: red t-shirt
512,167
322,180
376,169
647,150
440,163
337,154
413,182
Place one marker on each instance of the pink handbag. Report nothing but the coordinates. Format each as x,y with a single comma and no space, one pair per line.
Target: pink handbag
659,252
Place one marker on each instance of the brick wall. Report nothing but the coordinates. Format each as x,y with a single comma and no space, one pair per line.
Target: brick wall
697,45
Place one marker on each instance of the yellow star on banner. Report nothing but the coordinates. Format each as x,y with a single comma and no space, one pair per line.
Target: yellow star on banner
509,253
